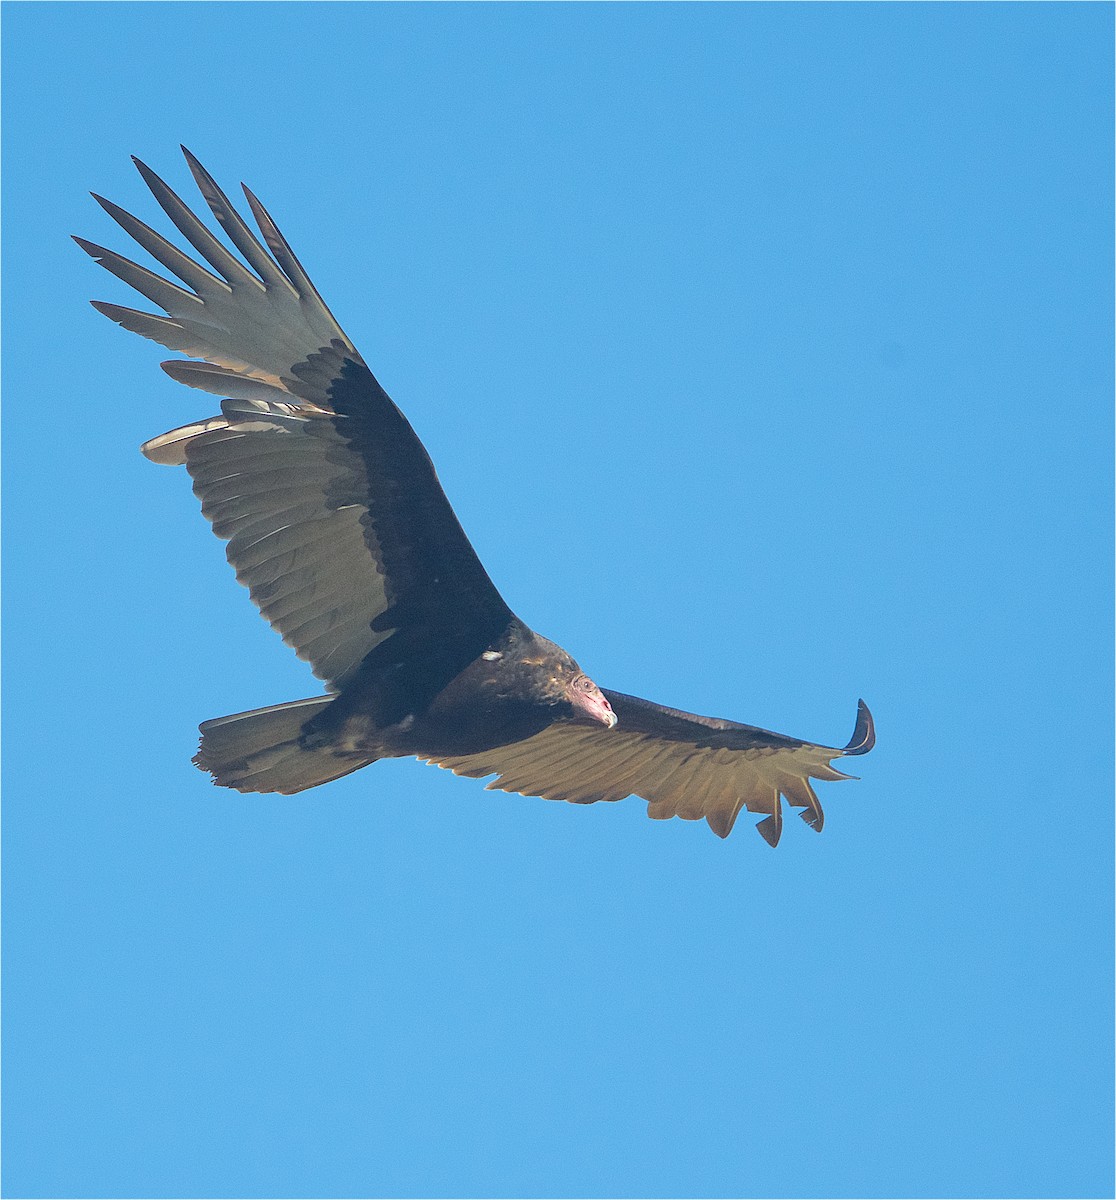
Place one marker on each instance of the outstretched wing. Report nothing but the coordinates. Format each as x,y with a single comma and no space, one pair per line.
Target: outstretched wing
334,516
684,765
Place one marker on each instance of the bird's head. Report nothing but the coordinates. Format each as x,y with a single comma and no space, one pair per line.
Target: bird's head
557,680
589,701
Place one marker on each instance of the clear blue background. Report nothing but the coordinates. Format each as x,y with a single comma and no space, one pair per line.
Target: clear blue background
766,355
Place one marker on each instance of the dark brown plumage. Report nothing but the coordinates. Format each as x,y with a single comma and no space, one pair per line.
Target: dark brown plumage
337,524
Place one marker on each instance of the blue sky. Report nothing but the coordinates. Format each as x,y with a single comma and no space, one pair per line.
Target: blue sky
765,353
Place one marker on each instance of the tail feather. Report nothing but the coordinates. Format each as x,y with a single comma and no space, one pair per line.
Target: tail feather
262,751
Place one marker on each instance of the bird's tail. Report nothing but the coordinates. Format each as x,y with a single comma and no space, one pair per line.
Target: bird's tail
263,751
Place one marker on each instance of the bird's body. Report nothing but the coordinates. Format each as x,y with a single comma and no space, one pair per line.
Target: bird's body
337,524
511,690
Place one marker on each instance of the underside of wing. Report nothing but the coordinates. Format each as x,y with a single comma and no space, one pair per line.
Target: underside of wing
683,765
334,517
292,502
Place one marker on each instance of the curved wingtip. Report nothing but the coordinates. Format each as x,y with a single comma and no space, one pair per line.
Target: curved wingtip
864,735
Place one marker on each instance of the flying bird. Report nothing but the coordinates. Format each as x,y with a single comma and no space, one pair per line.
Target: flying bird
337,525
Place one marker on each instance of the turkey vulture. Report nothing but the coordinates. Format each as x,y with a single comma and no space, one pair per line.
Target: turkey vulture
337,525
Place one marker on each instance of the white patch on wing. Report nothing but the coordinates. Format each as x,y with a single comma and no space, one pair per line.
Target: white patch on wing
491,655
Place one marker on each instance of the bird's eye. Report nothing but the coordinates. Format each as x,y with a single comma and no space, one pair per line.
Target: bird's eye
584,683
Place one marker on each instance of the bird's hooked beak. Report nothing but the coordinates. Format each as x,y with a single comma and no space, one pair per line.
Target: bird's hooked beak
588,700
